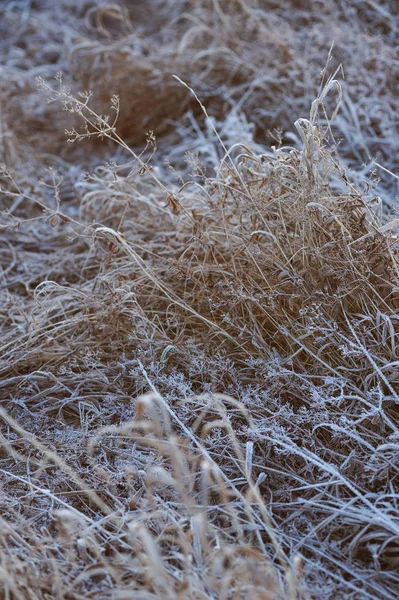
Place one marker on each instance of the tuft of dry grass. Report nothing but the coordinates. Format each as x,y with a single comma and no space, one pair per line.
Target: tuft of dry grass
199,362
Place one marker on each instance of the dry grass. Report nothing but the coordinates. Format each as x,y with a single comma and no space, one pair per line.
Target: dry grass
199,360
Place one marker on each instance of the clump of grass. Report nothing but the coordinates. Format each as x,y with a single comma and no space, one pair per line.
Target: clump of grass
279,287
165,523
199,374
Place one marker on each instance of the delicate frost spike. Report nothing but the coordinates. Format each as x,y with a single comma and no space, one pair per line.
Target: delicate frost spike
261,478
248,459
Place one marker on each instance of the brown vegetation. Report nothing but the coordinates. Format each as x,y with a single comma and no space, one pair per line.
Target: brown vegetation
199,378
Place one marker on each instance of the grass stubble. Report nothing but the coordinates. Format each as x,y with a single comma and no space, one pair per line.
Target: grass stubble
199,364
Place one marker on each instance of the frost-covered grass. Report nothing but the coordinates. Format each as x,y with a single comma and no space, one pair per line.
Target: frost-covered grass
199,309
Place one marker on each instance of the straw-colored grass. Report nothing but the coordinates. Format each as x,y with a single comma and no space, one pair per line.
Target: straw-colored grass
199,374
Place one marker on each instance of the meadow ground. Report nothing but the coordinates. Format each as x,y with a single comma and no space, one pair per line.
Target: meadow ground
199,300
